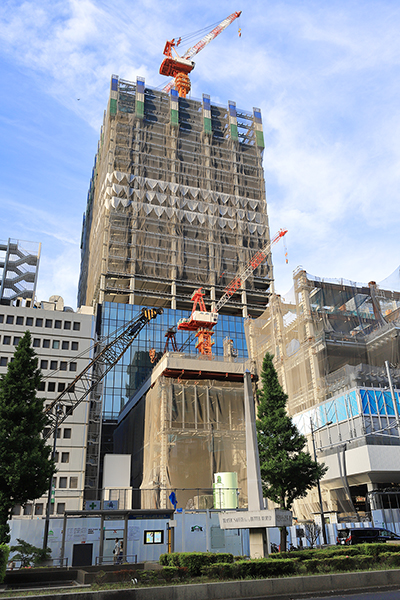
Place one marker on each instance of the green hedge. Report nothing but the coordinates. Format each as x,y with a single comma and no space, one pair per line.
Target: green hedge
327,560
257,569
194,561
4,552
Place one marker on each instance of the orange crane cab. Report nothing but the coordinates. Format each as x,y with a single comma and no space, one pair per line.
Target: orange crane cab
179,67
201,321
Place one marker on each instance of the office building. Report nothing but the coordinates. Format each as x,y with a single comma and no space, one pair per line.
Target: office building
61,339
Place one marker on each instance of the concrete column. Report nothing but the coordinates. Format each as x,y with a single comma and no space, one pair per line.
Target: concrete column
258,538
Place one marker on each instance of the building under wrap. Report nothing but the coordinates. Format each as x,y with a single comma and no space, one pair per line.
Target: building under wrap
176,201
330,344
185,425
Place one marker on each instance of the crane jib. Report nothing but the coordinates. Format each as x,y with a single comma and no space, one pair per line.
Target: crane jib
86,382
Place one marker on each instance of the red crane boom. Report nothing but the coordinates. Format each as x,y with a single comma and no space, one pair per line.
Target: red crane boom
179,67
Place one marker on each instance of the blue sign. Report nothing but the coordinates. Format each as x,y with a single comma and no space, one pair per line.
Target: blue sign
173,500
110,504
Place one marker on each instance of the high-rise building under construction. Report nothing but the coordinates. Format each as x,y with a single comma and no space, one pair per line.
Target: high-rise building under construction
176,201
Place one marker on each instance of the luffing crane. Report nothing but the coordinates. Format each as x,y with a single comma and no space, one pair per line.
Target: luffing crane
179,67
201,321
110,351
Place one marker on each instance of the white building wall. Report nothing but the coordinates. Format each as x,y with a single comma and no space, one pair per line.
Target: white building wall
61,340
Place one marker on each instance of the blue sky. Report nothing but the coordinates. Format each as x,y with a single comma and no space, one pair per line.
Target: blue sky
325,75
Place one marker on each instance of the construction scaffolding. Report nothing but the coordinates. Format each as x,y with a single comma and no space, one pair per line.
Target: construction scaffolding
328,327
176,201
332,343
183,429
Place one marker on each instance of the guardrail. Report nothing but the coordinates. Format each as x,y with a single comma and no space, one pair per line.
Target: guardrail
119,560
51,562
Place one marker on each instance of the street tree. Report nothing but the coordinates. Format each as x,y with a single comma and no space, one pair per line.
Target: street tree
287,470
25,463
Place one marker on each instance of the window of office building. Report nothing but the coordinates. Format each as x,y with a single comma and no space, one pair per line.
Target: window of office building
56,344
63,365
60,508
10,319
44,364
67,324
36,343
41,386
51,386
46,343
20,321
6,340
65,345
61,387
38,509
3,361
48,323
65,457
28,509
72,366
1,318
16,340
57,324
62,482
73,483
67,433
75,346
77,326
29,321
39,322
53,365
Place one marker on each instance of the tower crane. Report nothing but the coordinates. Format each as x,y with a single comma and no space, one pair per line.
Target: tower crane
201,321
179,67
115,347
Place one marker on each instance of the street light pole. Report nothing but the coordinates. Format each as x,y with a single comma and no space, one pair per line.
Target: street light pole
318,485
53,455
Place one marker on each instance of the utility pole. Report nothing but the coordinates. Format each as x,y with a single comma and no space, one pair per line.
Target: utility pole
318,484
57,408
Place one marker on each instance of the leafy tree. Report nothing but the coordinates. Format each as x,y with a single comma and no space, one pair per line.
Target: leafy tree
287,471
28,554
25,464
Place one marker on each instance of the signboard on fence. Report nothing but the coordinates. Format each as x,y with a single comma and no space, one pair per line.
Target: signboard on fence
246,519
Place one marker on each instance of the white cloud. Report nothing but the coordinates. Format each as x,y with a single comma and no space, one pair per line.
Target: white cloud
326,77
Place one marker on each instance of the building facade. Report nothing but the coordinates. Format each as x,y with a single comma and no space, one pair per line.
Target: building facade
62,340
336,349
176,202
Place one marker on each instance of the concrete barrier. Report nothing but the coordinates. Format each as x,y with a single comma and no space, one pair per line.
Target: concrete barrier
281,588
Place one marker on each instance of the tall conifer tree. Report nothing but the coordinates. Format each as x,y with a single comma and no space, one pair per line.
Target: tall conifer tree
25,464
287,471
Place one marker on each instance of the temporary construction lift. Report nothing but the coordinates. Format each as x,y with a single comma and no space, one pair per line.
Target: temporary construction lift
109,352
179,67
201,321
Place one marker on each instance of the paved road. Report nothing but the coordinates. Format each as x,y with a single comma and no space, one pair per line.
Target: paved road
392,595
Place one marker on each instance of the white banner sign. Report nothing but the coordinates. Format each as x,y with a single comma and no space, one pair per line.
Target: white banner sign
245,519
